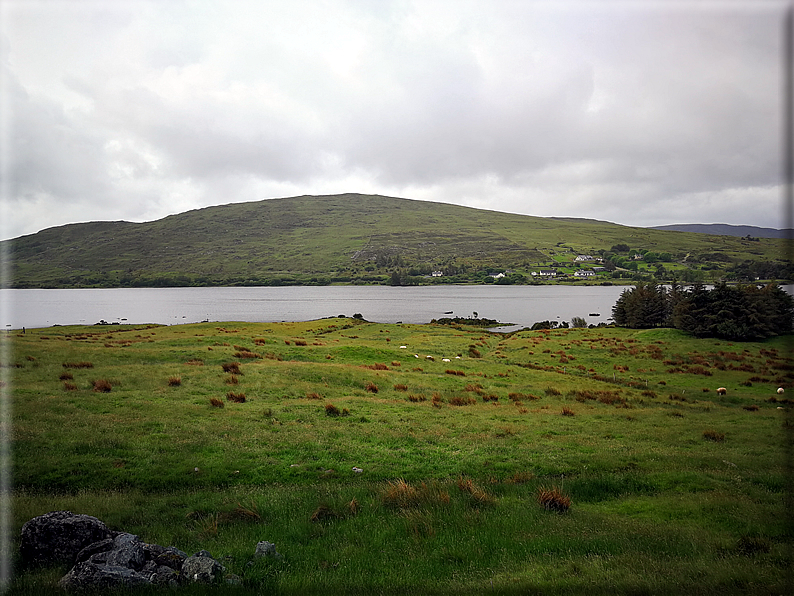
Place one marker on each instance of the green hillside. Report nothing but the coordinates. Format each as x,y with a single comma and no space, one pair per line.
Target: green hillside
353,238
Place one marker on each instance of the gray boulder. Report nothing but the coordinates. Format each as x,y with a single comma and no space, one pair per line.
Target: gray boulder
92,576
202,568
127,552
266,549
58,536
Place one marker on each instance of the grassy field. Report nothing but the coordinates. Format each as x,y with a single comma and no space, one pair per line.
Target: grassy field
672,487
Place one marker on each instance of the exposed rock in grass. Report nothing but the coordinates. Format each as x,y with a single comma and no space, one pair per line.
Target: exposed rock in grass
106,560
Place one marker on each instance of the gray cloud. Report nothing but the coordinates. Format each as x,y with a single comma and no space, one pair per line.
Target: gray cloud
637,113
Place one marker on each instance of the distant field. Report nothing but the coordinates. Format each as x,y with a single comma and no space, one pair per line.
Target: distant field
673,488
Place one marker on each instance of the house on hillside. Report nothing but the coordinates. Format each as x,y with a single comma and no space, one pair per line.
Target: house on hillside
437,274
544,273
581,258
584,273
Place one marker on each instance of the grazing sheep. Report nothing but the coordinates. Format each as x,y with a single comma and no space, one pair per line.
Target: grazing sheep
780,390
445,360
416,355
722,391
403,347
430,358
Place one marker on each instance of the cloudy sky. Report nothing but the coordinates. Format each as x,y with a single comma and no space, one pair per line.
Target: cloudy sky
639,113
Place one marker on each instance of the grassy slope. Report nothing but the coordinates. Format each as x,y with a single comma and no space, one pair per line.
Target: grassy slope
317,236
657,508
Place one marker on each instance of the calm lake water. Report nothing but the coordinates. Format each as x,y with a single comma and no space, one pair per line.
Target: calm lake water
521,305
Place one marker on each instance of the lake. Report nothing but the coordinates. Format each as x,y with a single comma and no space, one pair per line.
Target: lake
521,305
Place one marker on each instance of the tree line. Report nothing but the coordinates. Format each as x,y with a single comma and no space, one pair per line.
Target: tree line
738,313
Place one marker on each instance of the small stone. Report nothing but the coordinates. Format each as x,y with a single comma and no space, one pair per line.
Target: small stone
266,549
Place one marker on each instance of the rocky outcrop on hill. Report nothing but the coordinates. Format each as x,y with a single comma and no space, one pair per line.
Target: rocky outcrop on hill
104,559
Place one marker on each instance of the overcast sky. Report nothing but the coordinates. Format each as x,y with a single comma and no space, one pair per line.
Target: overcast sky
635,112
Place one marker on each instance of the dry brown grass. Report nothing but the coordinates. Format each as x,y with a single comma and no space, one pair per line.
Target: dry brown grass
237,398
553,499
332,410
713,435
102,386
232,368
247,355
78,365
371,387
313,395
376,366
67,386
174,381
416,398
216,403
461,401
232,380
66,376
566,411
195,362
400,387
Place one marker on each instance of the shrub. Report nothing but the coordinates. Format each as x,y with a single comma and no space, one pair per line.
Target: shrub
395,363
553,499
102,386
300,342
174,381
66,376
215,402
332,410
371,387
237,398
401,387
566,411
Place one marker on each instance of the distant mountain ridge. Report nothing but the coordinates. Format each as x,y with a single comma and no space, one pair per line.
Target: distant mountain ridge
727,230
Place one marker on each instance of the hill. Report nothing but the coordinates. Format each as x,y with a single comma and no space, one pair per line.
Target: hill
727,230
353,238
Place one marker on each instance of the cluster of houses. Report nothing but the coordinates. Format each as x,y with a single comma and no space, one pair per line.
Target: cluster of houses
580,273
551,273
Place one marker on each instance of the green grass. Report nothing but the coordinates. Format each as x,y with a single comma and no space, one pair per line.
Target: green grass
447,501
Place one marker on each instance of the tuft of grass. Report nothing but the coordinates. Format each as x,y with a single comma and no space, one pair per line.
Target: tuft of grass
566,411
102,386
247,355
552,391
66,376
461,401
332,410
78,365
67,386
232,368
713,435
371,387
416,398
313,395
324,513
216,403
232,380
520,478
553,499
751,408
174,381
195,362
400,387
237,398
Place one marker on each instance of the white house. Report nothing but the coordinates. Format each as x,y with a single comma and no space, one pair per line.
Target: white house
545,273
584,273
581,258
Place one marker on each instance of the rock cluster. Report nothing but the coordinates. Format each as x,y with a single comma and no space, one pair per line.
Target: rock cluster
103,559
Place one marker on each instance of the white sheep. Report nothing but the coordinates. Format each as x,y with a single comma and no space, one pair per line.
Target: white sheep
780,390
446,360
722,391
